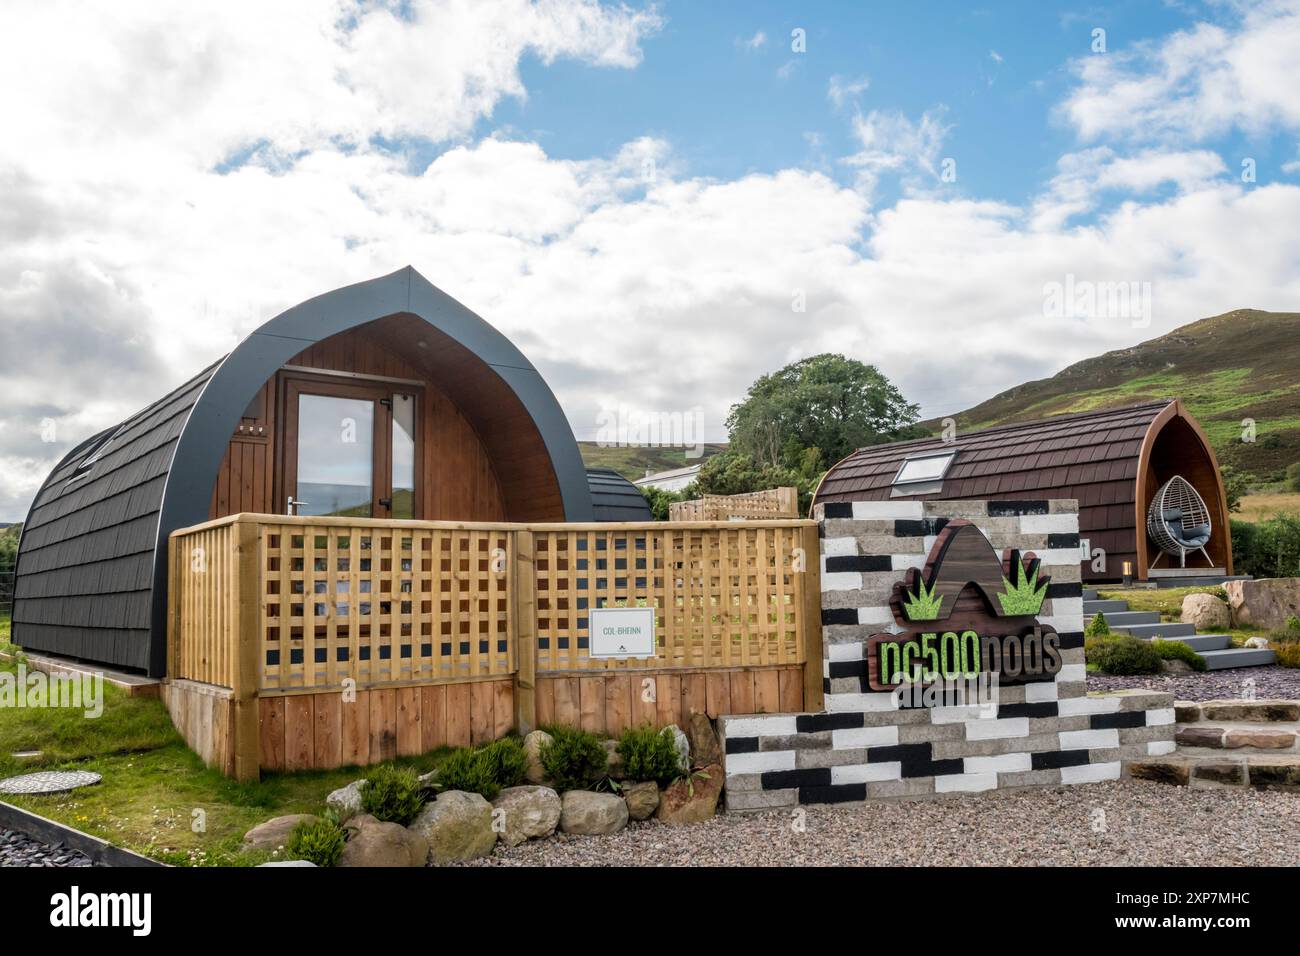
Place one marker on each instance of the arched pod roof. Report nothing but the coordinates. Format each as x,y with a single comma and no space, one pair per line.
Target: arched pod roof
92,571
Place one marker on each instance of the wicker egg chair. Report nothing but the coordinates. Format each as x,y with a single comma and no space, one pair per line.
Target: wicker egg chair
1178,521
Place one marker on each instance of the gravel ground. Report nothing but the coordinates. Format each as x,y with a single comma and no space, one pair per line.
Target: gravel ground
18,849
1119,823
1271,683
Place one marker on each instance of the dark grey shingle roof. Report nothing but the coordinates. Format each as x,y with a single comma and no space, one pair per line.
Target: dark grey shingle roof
614,498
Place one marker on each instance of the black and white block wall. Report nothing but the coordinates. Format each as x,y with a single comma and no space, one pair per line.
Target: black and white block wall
864,746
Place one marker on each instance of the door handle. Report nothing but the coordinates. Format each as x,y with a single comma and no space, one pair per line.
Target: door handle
386,503
291,507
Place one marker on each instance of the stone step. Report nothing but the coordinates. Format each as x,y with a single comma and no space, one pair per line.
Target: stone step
1241,737
1125,618
1168,630
1238,657
1239,711
1090,594
1207,642
1224,769
1105,607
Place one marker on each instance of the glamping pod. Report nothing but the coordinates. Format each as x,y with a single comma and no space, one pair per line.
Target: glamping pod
1120,464
384,399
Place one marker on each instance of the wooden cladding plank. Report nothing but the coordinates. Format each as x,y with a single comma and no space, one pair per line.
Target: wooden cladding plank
433,717
409,719
356,729
327,747
458,717
383,724
271,735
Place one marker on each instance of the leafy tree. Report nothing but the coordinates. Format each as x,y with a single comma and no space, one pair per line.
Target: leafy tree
658,499
825,405
9,547
1236,484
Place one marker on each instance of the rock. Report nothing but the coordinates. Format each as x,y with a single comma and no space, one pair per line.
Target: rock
683,747
1206,611
613,760
1187,711
1267,603
1263,739
287,863
1199,737
1252,710
346,801
583,811
533,750
691,801
642,799
704,745
274,833
1160,770
457,826
375,843
1175,667
1280,772
1260,642
526,813
427,780
1226,774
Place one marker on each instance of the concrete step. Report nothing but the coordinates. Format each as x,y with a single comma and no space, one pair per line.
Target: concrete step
1168,630
1127,618
1090,594
1238,657
1239,737
1207,642
1105,607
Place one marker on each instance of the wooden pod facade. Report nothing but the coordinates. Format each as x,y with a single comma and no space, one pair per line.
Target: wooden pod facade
384,399
1113,462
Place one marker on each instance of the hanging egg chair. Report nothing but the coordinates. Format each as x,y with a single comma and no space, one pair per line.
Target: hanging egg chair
1178,521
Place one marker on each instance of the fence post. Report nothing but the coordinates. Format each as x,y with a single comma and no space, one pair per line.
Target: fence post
811,616
247,639
174,571
524,619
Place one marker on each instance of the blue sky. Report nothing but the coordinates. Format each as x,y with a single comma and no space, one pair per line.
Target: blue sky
174,179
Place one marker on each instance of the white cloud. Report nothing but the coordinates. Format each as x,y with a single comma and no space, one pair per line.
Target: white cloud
753,44
1196,83
995,56
891,142
844,88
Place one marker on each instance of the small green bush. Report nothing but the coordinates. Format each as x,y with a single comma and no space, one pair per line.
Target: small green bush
393,794
320,841
1293,624
573,759
1097,627
484,770
1178,651
1124,654
650,754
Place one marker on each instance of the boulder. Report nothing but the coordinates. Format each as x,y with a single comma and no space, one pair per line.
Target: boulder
372,842
456,826
613,759
1259,642
533,750
274,833
642,799
683,746
1206,611
693,799
287,863
346,801
1267,603
705,748
526,813
1175,667
585,812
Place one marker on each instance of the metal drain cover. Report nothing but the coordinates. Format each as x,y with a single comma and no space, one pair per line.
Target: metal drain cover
49,781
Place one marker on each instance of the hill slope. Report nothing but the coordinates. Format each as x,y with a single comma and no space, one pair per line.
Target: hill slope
1243,364
633,462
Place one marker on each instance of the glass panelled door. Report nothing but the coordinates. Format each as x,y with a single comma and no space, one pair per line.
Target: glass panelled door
350,451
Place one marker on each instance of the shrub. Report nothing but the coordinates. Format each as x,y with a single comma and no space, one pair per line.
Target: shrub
392,794
1124,654
1097,627
1178,651
485,770
1267,549
1288,654
1293,477
319,841
650,754
1293,624
573,759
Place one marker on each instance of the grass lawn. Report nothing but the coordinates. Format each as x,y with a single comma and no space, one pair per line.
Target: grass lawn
153,784
1261,507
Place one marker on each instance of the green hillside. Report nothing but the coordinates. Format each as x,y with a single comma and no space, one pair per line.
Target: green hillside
1243,364
632,463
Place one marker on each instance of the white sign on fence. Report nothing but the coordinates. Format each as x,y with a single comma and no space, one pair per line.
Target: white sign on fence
622,632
